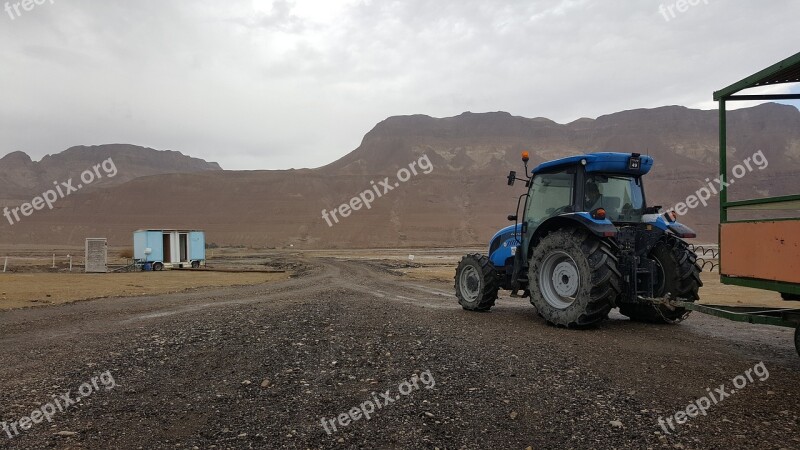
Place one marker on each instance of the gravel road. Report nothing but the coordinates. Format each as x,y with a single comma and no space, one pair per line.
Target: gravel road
264,366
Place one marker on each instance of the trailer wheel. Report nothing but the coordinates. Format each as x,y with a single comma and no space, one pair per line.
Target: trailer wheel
476,283
158,266
195,264
797,340
679,276
574,279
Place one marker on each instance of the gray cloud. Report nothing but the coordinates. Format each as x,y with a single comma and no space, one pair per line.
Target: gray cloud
278,84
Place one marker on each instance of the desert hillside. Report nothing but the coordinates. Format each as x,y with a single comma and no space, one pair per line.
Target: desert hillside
22,178
462,201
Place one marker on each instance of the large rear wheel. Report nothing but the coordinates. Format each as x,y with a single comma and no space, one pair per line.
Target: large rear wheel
678,275
574,278
476,283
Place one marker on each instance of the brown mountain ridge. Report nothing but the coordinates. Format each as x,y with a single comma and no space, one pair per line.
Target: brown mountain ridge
462,201
22,178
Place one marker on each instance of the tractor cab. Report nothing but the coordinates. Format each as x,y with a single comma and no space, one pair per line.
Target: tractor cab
604,187
583,242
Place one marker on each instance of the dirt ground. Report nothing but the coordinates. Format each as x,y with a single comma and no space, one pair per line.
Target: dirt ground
712,293
439,265
266,366
33,281
19,290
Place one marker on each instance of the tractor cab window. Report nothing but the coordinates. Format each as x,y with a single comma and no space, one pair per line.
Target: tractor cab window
620,195
551,194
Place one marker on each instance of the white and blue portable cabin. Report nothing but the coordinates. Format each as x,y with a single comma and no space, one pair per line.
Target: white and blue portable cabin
160,249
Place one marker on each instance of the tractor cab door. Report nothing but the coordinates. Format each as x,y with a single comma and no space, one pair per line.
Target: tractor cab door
551,194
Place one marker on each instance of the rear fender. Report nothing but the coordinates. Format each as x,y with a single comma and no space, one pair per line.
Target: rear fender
676,228
601,228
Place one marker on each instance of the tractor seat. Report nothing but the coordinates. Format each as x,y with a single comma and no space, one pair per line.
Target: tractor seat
611,205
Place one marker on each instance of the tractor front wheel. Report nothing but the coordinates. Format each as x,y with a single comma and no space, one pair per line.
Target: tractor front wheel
678,275
476,283
574,278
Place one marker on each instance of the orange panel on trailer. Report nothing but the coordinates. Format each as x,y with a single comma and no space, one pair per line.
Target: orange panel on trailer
762,250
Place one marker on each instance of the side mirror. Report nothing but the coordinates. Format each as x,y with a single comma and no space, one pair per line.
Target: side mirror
512,177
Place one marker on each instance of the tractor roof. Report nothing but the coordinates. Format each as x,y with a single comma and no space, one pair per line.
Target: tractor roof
600,162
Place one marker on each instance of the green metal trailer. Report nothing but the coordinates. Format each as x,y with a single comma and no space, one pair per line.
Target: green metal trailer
761,253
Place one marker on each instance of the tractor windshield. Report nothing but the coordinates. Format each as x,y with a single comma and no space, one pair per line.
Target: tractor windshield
621,196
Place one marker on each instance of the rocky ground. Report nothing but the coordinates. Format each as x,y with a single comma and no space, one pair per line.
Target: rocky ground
261,366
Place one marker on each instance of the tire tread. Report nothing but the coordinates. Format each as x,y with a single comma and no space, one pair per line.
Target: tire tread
490,282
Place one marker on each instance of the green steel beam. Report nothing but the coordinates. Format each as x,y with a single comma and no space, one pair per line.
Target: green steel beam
759,78
782,219
723,161
767,285
763,201
764,97
788,206
783,317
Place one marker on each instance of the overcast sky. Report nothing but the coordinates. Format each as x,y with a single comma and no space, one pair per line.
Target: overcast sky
274,84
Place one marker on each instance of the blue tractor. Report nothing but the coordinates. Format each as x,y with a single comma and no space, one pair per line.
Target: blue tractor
586,242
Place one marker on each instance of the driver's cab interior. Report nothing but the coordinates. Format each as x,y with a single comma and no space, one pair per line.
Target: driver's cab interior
621,197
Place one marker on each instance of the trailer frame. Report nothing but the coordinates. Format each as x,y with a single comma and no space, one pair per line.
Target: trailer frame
786,71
